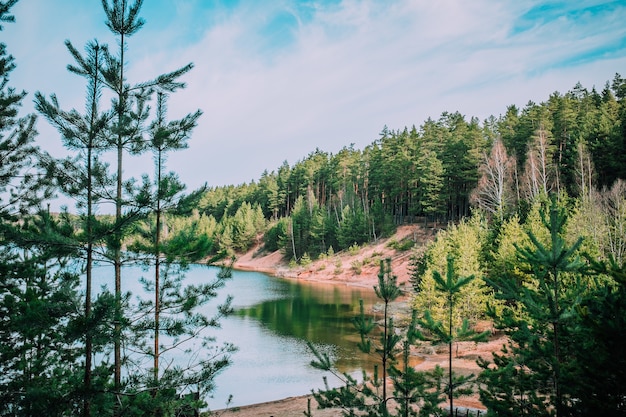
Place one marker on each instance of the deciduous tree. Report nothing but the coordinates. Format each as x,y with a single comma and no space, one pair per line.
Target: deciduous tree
494,192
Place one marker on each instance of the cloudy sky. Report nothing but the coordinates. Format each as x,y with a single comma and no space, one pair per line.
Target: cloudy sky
278,78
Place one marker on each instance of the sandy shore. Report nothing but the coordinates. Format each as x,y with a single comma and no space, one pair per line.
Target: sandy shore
340,268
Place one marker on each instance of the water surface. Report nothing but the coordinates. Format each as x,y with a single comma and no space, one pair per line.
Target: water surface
272,321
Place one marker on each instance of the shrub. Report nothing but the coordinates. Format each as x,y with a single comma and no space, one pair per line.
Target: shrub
305,260
354,249
401,246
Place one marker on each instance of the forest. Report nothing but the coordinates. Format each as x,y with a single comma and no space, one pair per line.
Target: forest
531,208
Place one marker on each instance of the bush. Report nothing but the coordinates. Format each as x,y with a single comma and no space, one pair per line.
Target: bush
354,249
338,265
401,246
305,260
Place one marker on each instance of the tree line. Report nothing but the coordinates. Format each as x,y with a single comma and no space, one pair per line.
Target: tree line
572,143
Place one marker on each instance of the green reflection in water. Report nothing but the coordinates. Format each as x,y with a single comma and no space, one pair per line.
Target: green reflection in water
320,313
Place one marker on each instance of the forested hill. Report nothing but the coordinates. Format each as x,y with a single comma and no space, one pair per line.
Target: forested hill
571,143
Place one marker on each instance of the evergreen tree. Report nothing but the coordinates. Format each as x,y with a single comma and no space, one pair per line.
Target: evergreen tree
299,230
431,185
82,177
173,314
18,154
165,137
38,302
130,109
415,393
465,243
39,345
600,383
438,332
534,374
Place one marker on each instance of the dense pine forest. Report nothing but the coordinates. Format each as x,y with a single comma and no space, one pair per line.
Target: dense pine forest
531,205
572,144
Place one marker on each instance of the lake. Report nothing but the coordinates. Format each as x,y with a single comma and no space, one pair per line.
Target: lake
272,321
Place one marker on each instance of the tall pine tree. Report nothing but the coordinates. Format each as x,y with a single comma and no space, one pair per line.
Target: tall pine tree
81,178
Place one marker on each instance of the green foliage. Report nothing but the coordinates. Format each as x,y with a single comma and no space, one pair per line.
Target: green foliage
601,219
432,170
465,244
438,332
40,313
431,185
401,246
238,233
354,249
600,382
305,260
556,317
353,228
45,374
276,235
541,346
417,268
338,267
180,320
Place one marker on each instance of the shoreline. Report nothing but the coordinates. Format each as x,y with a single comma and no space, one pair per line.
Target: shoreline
354,269
358,270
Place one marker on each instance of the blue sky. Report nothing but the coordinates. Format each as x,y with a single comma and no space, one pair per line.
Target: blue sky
278,78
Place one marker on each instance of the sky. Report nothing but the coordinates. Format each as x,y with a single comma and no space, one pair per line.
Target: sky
276,79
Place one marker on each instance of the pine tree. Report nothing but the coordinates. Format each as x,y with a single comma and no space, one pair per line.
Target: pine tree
600,383
38,298
171,320
414,393
431,185
131,112
19,155
40,309
463,242
438,332
79,177
533,374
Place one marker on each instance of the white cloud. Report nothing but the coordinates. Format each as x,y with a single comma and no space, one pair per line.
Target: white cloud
347,69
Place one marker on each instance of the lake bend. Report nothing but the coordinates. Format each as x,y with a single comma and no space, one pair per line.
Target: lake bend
272,321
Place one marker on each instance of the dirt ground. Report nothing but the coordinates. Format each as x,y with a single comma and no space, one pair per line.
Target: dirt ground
339,270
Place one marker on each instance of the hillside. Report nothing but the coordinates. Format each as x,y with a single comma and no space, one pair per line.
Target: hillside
341,268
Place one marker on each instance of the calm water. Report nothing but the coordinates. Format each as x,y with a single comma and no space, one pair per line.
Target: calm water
273,319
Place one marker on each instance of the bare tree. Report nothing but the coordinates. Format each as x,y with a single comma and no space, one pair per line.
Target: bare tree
613,203
584,171
494,192
538,177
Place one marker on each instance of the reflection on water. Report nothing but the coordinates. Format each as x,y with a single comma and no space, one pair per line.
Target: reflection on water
318,313
273,320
